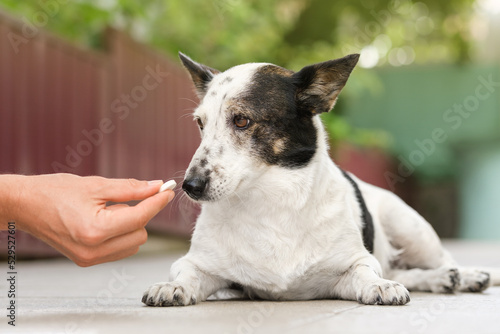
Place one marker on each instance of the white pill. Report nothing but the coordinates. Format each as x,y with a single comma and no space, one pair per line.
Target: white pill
168,185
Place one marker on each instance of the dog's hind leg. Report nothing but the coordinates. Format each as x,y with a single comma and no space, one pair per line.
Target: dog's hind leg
445,279
422,264
474,280
440,280
494,275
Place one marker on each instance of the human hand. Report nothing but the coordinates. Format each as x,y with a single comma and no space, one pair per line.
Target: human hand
69,213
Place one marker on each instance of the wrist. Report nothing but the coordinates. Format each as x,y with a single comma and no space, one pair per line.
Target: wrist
11,198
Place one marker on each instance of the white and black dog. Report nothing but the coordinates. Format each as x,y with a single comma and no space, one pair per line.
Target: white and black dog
279,219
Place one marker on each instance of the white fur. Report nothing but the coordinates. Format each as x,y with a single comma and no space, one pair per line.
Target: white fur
295,234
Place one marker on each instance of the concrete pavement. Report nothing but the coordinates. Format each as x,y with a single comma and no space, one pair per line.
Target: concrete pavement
56,296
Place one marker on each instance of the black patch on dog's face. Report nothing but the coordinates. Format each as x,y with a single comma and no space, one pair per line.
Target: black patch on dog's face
278,133
280,105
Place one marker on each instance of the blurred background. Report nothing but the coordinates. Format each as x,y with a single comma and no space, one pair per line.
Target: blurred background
95,88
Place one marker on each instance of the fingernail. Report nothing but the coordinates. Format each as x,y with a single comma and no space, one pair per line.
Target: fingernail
155,182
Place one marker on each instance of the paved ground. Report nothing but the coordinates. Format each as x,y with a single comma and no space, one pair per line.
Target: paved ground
58,297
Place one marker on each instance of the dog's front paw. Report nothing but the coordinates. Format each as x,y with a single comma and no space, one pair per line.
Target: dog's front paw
168,294
384,292
472,280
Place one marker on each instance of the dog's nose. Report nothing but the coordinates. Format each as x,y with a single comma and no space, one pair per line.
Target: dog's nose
194,187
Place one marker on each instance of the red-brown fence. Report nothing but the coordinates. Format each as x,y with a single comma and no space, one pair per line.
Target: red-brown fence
116,113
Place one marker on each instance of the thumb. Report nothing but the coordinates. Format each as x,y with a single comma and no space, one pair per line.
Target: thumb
125,219
123,190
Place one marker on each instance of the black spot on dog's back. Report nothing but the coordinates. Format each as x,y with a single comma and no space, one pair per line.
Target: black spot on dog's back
368,231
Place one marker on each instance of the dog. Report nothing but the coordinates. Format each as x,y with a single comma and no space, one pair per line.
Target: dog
279,220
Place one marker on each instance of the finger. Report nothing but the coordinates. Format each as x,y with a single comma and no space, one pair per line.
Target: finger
123,190
111,250
123,220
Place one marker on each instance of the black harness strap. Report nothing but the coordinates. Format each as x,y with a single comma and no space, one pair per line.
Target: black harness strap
368,230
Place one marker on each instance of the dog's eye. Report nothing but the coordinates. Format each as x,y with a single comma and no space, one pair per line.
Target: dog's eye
241,122
200,123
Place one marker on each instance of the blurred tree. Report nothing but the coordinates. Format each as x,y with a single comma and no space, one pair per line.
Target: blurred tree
288,32
425,30
291,33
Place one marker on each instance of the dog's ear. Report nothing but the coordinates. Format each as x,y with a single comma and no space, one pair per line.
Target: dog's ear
319,85
200,74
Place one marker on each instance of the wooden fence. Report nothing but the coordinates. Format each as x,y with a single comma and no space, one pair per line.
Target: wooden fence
122,112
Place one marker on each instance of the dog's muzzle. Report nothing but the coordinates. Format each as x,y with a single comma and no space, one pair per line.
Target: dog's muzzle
195,187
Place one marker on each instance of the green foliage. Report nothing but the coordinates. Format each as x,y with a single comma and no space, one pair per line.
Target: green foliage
291,33
341,131
288,32
81,22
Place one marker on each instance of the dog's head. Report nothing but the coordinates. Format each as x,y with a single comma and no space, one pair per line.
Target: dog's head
257,116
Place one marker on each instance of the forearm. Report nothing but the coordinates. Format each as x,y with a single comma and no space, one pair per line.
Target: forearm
11,189
69,212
